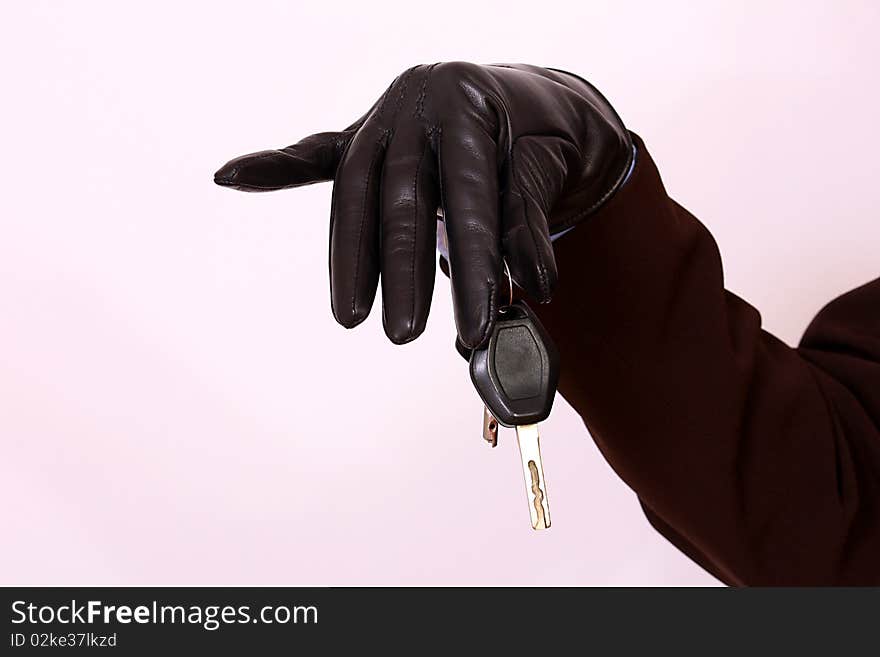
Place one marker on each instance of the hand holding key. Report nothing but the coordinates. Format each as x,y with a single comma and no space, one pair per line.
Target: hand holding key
508,155
510,152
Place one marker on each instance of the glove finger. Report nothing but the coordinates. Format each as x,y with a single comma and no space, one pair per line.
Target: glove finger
469,190
410,196
314,159
354,228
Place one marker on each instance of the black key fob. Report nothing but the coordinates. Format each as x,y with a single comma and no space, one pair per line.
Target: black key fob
517,373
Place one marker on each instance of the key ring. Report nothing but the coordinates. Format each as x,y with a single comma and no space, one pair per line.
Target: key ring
509,283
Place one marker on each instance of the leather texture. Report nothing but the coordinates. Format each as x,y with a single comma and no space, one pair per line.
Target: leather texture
510,153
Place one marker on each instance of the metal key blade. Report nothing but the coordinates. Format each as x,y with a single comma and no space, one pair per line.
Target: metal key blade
533,472
490,427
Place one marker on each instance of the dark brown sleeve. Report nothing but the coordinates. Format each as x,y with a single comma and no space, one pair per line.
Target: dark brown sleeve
761,462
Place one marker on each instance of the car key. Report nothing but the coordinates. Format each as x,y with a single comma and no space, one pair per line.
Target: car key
516,375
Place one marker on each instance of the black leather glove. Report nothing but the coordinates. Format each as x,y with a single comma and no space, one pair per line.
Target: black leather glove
510,152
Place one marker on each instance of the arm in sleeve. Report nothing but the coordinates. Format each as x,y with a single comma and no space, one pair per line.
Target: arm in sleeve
761,462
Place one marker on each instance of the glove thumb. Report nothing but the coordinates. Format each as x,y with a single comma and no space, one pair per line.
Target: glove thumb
312,160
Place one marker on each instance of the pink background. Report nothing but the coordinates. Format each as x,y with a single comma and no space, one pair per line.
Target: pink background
177,405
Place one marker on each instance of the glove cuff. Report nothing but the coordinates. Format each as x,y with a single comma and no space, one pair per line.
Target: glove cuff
556,233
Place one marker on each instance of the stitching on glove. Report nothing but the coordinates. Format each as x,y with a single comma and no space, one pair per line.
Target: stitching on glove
404,84
493,292
423,94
